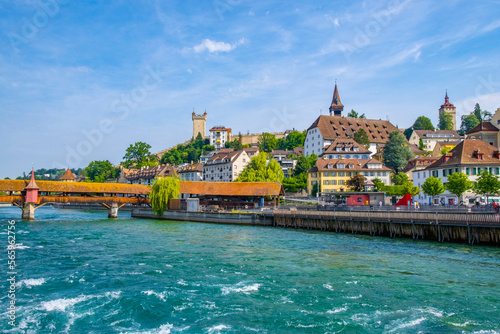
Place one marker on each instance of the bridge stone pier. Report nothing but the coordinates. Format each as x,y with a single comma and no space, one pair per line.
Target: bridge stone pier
28,211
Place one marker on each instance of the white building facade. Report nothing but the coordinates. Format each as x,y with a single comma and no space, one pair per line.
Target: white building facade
225,167
219,135
471,157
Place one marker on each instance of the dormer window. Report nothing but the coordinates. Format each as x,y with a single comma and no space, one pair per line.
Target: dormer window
329,166
356,149
351,166
340,166
337,149
347,149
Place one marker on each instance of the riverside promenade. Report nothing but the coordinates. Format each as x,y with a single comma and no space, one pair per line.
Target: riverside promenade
462,227
458,227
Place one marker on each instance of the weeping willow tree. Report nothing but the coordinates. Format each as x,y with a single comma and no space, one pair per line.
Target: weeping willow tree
162,190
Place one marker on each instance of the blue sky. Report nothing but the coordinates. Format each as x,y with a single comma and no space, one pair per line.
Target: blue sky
80,81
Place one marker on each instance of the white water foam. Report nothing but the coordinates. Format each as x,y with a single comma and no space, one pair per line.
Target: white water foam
238,288
63,303
31,282
408,324
182,282
465,324
337,310
218,328
21,246
308,326
352,282
329,287
354,297
164,329
162,295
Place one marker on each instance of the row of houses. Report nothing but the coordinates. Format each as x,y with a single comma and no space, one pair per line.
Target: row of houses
224,165
342,158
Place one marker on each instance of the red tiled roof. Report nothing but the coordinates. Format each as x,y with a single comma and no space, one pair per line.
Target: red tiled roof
483,126
220,157
150,172
77,187
220,128
344,143
67,176
415,150
434,133
332,127
232,188
197,167
357,165
299,150
467,153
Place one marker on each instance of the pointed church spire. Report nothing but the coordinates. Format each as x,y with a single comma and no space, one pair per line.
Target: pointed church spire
446,99
336,107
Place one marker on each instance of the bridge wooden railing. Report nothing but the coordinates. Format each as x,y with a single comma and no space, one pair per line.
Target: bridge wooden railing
489,219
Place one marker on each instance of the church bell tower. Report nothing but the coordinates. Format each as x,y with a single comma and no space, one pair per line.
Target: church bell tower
336,108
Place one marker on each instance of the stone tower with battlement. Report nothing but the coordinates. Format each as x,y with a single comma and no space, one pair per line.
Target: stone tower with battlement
449,108
199,124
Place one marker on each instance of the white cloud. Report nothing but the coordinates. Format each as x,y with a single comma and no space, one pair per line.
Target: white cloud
214,46
492,26
488,102
402,57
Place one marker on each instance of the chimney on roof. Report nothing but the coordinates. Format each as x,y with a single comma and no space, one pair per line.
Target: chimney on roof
496,154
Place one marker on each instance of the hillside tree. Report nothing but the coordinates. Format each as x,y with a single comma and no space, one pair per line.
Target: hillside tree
267,142
361,137
356,183
139,156
98,171
259,169
445,121
354,114
396,152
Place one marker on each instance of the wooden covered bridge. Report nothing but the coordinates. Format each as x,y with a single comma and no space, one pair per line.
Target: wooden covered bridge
30,195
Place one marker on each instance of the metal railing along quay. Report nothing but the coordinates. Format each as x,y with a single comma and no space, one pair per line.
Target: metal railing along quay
428,217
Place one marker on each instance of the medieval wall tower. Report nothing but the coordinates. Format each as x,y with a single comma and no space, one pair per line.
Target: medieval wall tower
199,124
449,108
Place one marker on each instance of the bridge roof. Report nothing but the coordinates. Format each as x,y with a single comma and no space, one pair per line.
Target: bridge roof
187,187
77,187
232,188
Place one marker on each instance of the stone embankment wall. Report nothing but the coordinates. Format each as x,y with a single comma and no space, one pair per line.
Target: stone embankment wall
207,217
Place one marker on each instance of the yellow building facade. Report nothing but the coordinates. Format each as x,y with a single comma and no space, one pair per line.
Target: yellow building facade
331,175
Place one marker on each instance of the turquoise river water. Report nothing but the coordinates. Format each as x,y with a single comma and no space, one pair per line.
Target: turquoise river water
79,272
